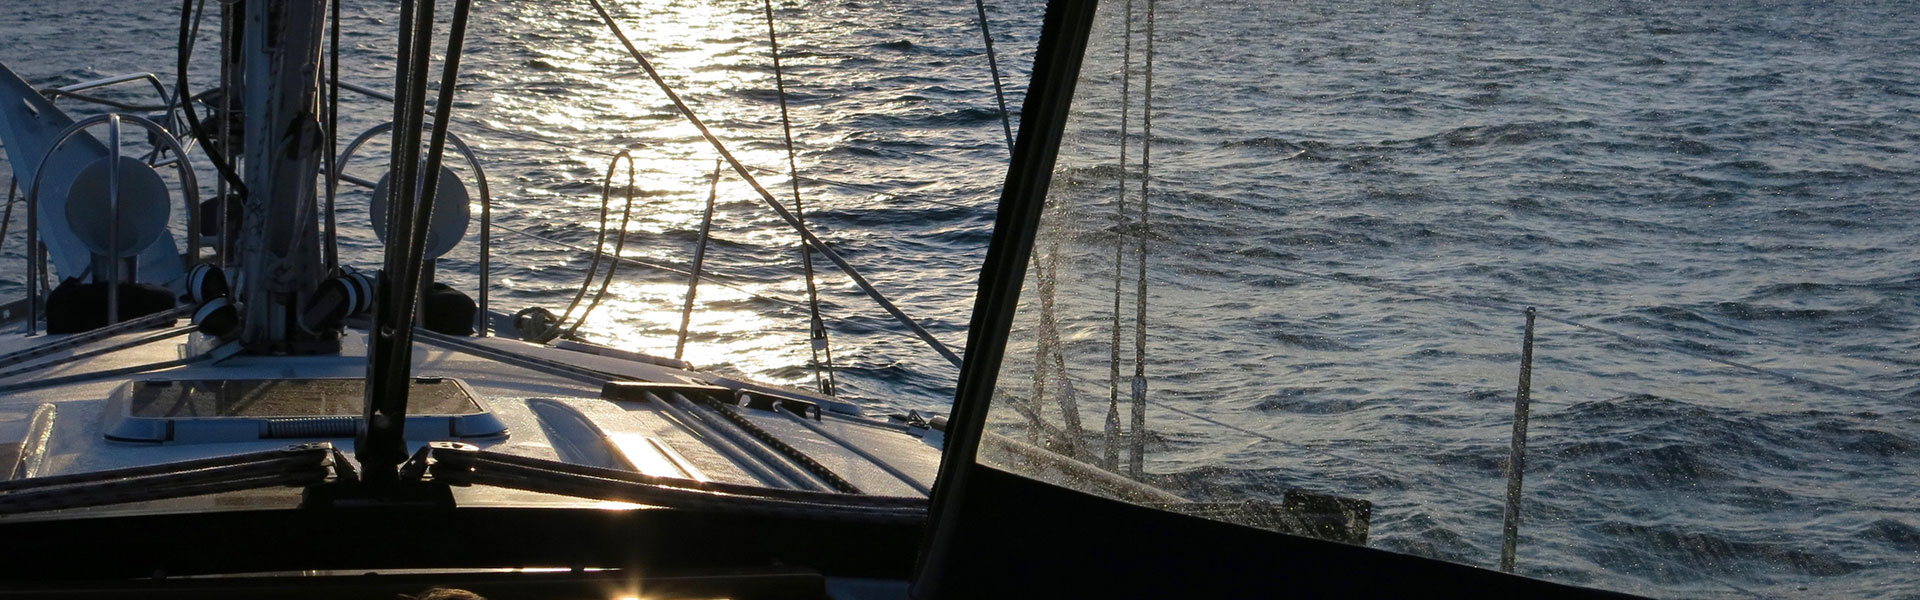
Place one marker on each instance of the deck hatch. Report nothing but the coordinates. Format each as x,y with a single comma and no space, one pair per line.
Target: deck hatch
237,410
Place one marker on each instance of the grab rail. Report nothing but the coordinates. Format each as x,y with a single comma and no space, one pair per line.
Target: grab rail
170,103
36,256
480,181
73,91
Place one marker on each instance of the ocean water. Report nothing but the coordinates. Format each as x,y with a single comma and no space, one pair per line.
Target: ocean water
1350,203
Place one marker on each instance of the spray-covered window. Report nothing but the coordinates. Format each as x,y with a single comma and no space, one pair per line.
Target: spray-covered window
1614,294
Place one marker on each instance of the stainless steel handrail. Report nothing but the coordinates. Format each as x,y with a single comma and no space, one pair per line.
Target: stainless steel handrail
113,219
107,81
190,188
169,100
480,181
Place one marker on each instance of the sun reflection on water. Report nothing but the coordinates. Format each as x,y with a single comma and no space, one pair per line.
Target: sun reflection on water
707,52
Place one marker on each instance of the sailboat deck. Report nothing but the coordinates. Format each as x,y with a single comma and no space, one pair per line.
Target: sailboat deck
546,415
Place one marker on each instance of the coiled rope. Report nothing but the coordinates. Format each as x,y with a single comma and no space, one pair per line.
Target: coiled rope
599,246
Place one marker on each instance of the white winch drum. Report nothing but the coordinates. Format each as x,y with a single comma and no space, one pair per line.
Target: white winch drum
451,212
143,207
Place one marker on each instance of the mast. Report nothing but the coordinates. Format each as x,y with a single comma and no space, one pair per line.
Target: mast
280,57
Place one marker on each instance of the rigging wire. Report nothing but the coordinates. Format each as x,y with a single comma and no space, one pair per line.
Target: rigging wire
717,279
380,446
333,133
993,64
1119,246
1137,450
767,196
817,331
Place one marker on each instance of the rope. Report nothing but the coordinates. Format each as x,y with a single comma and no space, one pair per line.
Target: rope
599,242
812,466
76,357
993,64
619,243
1137,451
719,279
767,197
1048,357
699,260
817,331
221,163
656,266
1119,246
727,281
1048,348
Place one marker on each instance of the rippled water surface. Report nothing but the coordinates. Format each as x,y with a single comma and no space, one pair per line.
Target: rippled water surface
1729,181
1352,203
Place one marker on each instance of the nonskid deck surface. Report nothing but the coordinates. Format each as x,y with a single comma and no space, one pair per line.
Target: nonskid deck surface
546,416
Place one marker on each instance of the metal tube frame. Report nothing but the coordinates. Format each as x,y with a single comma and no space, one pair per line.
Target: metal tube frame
113,219
190,188
486,205
71,91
